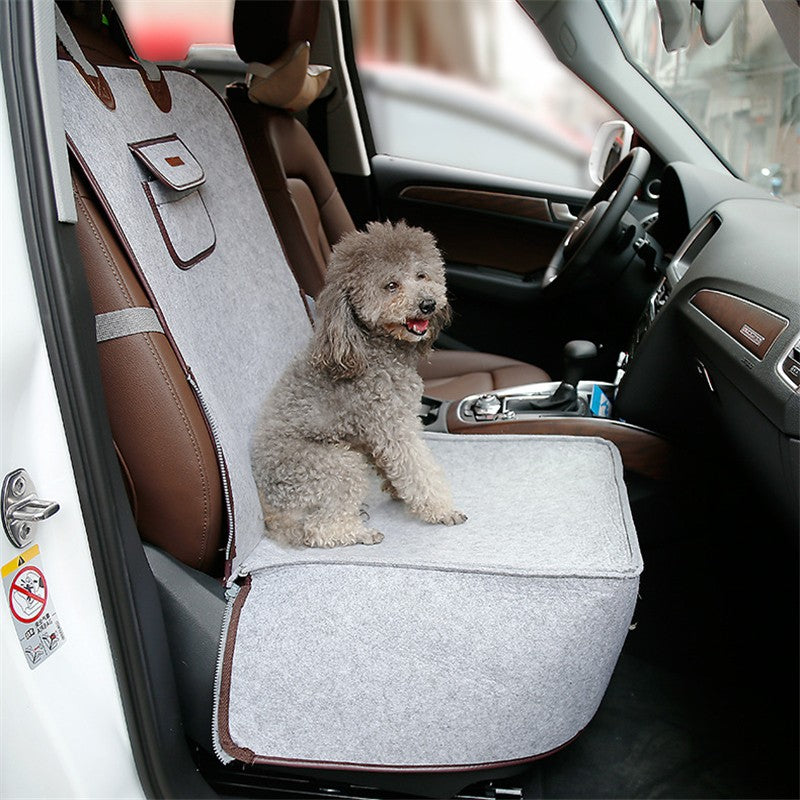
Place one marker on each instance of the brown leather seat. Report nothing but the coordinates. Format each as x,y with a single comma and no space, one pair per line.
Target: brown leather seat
309,213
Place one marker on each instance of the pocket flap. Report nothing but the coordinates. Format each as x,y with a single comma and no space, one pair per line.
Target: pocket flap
169,159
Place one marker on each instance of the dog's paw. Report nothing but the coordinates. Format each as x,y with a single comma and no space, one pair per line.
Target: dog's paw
333,539
452,518
449,517
387,487
370,537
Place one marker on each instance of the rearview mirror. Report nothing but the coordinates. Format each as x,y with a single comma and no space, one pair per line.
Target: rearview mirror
611,144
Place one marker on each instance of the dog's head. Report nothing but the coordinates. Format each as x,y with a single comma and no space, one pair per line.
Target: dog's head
386,282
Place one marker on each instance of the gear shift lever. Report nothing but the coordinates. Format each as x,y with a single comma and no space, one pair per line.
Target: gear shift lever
577,354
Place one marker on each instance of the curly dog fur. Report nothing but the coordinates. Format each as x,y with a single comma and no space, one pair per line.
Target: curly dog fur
348,403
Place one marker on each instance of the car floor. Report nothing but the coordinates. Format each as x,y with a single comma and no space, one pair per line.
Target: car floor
704,699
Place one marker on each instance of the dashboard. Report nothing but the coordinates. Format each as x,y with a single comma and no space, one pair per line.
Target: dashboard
716,358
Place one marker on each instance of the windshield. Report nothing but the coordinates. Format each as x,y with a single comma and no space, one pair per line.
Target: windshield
742,93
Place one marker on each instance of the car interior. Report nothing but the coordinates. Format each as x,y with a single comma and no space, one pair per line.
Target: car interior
658,314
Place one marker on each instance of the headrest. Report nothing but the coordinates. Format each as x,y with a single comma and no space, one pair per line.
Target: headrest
289,82
264,29
273,37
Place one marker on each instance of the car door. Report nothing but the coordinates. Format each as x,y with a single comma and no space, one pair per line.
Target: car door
486,145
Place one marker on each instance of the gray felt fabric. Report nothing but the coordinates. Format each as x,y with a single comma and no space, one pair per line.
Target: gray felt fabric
236,316
185,220
185,173
485,642
536,505
399,667
67,38
126,322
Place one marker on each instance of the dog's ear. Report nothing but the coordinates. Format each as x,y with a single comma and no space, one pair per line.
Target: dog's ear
339,343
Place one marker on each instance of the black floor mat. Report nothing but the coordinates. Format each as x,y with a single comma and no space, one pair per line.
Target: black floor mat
704,700
657,735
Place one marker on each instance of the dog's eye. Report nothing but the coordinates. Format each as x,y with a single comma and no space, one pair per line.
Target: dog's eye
392,287
422,277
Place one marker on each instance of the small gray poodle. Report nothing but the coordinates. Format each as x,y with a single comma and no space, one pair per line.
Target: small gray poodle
350,400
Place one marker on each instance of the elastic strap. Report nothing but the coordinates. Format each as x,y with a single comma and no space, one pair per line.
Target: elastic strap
67,38
126,322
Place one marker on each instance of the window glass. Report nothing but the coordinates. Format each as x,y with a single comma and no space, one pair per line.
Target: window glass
472,83
164,31
742,93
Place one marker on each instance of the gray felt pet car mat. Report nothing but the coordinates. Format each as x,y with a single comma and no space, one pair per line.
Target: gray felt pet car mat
484,643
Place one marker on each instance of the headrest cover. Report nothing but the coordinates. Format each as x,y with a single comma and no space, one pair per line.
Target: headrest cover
263,29
289,82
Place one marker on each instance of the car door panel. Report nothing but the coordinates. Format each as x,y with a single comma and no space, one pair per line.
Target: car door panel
497,236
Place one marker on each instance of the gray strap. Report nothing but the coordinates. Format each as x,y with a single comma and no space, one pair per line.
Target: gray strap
152,70
67,38
125,322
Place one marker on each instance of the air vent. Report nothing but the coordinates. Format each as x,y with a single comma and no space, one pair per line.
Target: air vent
691,248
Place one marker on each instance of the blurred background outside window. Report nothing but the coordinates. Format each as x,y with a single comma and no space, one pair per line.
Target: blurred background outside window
464,83
163,30
472,83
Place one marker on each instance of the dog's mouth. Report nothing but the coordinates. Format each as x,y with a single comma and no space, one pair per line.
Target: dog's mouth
417,326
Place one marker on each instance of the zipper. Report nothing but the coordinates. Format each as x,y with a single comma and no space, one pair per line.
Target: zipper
232,589
230,594
223,468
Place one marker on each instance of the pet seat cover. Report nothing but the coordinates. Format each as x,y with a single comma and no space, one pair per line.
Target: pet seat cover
444,648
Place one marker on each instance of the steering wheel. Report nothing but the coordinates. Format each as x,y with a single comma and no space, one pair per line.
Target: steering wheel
596,223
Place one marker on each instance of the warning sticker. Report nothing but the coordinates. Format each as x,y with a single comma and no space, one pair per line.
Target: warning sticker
28,598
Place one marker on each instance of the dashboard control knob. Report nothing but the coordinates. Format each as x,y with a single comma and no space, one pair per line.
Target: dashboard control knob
487,406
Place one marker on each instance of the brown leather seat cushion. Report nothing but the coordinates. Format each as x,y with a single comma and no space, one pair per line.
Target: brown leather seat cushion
453,374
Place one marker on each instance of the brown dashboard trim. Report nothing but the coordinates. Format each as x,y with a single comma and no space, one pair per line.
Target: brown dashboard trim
535,208
755,328
642,451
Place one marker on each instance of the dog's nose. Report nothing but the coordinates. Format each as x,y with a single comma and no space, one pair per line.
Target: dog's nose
427,306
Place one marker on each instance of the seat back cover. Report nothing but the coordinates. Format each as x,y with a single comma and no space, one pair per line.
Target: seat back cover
180,193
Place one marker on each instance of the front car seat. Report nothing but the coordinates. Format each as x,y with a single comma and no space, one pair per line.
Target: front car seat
309,213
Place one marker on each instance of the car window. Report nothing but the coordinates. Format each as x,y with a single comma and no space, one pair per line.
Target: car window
164,31
742,92
473,84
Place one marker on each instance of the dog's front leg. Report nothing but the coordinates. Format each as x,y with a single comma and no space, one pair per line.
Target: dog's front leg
411,471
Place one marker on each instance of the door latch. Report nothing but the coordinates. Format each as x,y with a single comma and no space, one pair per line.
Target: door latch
22,509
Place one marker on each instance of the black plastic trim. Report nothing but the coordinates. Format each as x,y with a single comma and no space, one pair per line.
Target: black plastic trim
508,287
133,614
355,81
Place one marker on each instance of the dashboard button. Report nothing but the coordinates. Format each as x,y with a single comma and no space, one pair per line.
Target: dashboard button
791,369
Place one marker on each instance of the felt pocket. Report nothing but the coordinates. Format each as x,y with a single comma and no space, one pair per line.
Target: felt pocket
183,220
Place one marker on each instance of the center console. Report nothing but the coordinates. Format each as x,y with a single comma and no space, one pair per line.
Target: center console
534,401
572,407
515,411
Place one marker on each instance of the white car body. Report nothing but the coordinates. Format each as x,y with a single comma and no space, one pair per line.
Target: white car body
63,729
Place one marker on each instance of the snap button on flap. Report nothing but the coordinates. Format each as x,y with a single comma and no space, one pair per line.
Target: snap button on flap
170,161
